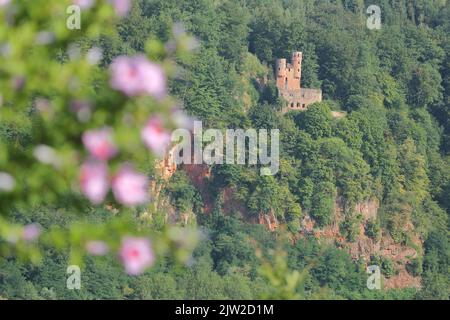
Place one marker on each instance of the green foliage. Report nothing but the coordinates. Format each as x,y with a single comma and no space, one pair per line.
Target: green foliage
317,120
425,86
414,267
392,145
323,203
336,270
387,265
372,229
435,267
37,111
184,195
350,227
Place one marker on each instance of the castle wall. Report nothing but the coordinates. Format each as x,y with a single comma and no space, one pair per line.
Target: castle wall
297,65
300,99
288,79
309,96
281,73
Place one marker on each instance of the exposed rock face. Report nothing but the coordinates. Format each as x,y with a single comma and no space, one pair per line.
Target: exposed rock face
364,247
270,220
164,170
232,205
166,167
361,249
338,114
368,209
198,174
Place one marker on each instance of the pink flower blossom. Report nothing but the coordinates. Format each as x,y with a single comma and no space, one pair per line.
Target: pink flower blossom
121,6
100,143
137,76
84,4
97,248
136,255
155,137
94,181
130,187
4,2
31,232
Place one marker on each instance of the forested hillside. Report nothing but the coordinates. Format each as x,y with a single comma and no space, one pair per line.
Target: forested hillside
368,187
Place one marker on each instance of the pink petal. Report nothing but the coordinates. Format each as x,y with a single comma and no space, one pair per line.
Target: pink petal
84,4
130,188
136,255
4,2
100,143
137,76
94,181
121,7
155,137
31,232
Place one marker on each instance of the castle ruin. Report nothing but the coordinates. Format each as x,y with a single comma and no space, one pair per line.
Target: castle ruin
288,77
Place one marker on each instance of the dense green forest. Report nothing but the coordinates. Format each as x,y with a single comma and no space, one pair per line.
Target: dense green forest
391,147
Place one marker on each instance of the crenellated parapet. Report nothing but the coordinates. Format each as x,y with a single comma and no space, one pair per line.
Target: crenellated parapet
288,79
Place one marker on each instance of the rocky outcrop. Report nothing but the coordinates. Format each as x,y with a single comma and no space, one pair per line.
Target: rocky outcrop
166,167
199,175
364,247
270,220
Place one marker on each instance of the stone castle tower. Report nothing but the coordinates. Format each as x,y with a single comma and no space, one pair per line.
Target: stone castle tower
288,83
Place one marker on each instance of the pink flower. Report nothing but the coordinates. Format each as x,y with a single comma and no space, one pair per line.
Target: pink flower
31,232
100,143
130,187
4,2
155,137
136,255
84,4
94,181
121,6
138,76
97,248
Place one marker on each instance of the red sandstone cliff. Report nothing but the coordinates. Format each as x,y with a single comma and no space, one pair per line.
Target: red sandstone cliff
363,247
